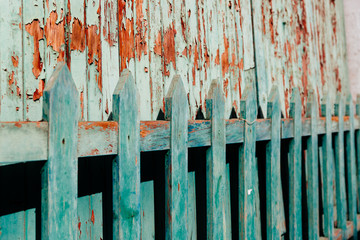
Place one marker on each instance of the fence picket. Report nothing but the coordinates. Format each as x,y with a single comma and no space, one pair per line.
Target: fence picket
312,169
327,170
176,163
126,165
340,168
275,215
350,165
60,172
191,207
215,164
248,187
295,218
147,211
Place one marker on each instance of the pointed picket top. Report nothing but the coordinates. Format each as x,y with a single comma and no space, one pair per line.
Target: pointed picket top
126,83
215,94
295,103
176,93
273,101
326,106
60,85
312,105
248,104
126,165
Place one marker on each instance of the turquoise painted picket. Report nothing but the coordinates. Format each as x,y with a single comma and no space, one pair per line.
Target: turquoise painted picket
292,178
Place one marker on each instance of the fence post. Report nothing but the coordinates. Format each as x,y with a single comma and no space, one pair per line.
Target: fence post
327,170
126,165
60,173
295,218
340,168
275,215
176,163
312,168
249,213
351,165
358,151
215,164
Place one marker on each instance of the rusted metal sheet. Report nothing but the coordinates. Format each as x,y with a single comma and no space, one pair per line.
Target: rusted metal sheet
296,44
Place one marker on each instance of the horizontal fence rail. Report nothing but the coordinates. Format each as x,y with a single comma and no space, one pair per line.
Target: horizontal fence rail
322,168
100,138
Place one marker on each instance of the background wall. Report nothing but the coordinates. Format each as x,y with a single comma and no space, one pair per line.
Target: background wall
352,26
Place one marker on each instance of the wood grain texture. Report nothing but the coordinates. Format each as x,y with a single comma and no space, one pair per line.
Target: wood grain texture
351,166
60,172
215,165
340,167
275,216
295,215
191,207
249,225
126,165
147,210
312,169
176,162
327,170
19,225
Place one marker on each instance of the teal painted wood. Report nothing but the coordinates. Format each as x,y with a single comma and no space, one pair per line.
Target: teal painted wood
60,172
227,210
176,163
247,167
351,166
327,170
340,167
295,217
126,165
257,203
275,216
19,226
312,169
147,211
191,207
357,132
90,217
215,164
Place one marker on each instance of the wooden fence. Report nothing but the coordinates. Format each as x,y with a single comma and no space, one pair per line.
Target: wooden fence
310,191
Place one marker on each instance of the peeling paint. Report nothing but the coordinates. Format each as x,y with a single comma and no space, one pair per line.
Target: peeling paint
37,33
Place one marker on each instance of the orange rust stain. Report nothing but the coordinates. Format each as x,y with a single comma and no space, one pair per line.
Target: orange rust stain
337,79
18,125
18,91
141,30
126,36
196,63
226,83
94,151
217,58
39,92
169,48
108,33
11,78
94,49
77,36
79,227
157,47
55,34
37,33
82,104
225,57
92,217
15,60
108,125
178,187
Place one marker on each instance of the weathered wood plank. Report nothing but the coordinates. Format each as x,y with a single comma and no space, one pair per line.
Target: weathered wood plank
340,167
176,162
33,58
126,165
312,169
147,210
191,207
227,210
247,167
295,217
327,170
275,216
19,226
351,166
59,174
215,164
11,62
90,214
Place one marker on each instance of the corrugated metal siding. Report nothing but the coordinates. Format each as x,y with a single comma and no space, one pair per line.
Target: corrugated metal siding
288,43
